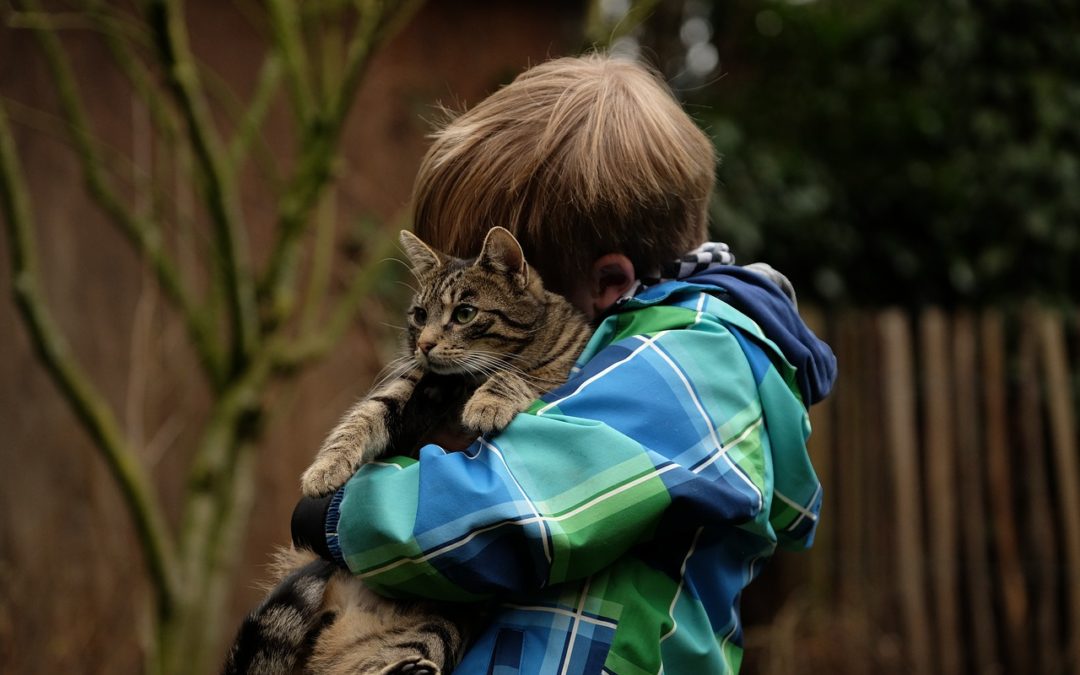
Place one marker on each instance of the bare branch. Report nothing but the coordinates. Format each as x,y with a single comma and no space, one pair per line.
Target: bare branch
53,20
142,232
60,21
167,19
251,123
119,32
113,161
85,401
315,344
321,262
216,486
285,20
319,151
222,94
114,30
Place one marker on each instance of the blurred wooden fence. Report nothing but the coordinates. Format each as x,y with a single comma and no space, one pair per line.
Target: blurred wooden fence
950,534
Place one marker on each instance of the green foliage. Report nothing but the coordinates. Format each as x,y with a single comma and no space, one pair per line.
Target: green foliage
900,151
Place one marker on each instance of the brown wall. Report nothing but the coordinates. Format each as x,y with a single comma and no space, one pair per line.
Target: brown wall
71,580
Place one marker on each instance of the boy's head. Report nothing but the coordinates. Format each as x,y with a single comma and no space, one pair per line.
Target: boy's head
579,158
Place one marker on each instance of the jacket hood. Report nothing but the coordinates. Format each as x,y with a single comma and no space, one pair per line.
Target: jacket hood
766,303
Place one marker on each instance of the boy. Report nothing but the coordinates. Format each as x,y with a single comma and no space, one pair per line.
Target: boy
614,523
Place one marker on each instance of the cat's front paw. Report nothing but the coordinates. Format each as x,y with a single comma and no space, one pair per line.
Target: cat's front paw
326,474
485,413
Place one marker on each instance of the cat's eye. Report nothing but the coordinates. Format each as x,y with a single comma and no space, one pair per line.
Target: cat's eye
419,315
464,313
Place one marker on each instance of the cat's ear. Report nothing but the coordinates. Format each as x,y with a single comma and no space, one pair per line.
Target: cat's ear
503,252
422,257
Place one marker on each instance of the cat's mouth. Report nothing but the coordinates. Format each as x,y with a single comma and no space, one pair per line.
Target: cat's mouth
445,368
439,366
443,365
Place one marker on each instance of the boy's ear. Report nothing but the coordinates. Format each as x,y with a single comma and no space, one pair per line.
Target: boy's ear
422,257
503,252
611,276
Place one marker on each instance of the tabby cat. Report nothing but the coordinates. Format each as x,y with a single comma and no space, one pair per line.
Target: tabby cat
484,340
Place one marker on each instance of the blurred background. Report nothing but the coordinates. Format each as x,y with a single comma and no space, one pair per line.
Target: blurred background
199,201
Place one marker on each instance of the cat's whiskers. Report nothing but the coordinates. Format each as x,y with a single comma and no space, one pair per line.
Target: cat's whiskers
492,361
496,362
465,365
481,361
394,369
499,355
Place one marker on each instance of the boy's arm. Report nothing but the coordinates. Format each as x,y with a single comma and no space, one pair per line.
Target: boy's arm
571,484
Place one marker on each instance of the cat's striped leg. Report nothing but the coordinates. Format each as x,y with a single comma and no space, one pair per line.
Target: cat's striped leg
378,636
361,435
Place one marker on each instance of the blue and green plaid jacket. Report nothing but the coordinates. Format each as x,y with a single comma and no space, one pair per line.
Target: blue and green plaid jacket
616,522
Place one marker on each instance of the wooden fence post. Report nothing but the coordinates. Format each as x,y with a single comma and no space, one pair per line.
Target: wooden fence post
900,424
1043,556
938,444
1011,586
1066,470
971,499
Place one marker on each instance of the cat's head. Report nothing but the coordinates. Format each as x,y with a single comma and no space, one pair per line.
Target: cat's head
472,316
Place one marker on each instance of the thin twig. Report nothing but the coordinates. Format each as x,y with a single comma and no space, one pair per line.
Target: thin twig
86,402
224,97
318,153
266,87
115,163
58,21
285,20
112,29
142,232
313,346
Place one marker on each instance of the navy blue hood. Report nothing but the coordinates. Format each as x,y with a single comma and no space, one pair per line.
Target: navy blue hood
761,299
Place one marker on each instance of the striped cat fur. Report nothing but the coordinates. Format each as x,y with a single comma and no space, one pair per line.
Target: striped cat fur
484,340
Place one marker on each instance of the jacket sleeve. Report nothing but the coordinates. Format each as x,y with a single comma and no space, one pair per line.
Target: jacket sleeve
655,429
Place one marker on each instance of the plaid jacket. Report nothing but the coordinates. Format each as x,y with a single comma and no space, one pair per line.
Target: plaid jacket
617,520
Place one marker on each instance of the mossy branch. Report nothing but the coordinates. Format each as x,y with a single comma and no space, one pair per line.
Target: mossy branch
314,345
322,260
88,404
189,571
285,20
113,30
166,17
144,233
250,125
319,151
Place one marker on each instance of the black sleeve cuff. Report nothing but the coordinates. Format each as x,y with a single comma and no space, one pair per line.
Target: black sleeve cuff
309,525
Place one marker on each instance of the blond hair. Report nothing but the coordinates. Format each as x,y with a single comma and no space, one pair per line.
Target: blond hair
578,157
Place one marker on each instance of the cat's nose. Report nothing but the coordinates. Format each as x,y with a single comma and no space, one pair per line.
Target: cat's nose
424,346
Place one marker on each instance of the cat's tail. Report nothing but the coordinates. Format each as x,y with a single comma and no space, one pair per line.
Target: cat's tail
278,635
